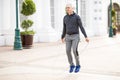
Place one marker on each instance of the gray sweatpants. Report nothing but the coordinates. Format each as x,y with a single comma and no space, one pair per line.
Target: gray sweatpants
72,42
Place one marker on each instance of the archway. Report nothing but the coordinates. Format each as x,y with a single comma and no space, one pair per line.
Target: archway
117,12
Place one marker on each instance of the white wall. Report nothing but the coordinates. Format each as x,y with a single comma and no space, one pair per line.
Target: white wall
104,21
117,1
12,17
8,22
59,15
89,18
6,15
0,16
42,22
1,37
10,29
98,26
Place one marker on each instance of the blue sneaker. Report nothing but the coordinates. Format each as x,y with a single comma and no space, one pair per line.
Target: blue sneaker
77,69
71,68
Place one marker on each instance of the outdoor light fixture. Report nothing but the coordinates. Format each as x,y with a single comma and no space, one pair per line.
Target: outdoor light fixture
17,42
110,30
77,6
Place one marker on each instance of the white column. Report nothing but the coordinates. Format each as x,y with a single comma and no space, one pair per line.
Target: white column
12,16
116,1
1,25
59,15
0,17
42,22
6,15
97,18
10,28
8,21
104,21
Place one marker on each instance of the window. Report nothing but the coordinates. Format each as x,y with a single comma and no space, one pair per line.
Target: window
95,18
100,18
52,13
95,2
95,10
100,2
118,17
100,10
83,12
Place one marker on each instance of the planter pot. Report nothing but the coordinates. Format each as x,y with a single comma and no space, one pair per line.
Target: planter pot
114,32
27,41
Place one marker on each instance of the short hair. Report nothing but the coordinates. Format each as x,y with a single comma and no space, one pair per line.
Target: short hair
70,5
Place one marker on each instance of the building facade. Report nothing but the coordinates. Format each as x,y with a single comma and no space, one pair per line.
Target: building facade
48,19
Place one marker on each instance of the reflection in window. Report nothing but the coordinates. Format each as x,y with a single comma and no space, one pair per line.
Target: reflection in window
52,13
100,18
95,18
95,2
95,10
83,12
100,10
100,2
118,18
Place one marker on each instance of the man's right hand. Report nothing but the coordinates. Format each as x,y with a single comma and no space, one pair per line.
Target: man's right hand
63,40
87,40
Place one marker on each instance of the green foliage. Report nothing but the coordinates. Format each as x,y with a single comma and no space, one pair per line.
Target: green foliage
28,7
113,13
26,24
30,32
113,16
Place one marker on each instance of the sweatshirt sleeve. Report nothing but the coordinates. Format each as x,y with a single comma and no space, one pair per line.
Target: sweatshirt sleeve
64,30
81,27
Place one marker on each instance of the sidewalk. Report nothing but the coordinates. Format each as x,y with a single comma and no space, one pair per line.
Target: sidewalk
100,60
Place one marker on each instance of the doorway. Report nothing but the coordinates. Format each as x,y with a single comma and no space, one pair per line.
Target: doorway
116,7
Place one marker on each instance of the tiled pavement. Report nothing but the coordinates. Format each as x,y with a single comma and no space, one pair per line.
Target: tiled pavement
100,60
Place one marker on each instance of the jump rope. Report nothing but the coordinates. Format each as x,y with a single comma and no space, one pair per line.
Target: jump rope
84,48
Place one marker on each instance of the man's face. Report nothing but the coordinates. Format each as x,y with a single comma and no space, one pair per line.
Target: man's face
69,9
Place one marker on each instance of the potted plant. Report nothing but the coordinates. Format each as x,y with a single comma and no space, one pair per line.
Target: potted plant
28,8
114,26
27,34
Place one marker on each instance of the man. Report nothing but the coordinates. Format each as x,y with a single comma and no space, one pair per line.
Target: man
71,25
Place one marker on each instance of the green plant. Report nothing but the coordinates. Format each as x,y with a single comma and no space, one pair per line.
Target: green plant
28,8
113,13
113,16
30,32
26,24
